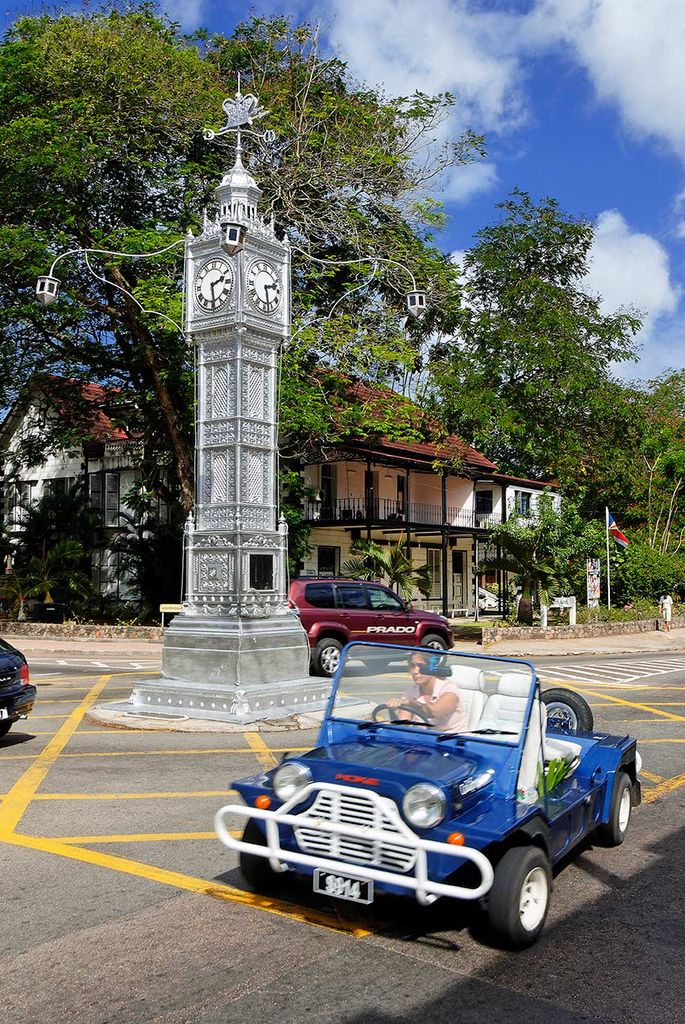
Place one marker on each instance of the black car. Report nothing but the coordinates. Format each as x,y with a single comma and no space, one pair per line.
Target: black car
16,692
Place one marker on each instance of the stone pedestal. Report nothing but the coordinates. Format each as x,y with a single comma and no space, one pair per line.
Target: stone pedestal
233,669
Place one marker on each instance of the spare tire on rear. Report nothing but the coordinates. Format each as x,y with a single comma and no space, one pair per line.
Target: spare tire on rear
567,711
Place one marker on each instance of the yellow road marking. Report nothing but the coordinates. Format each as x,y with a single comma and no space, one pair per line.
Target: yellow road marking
20,794
641,721
173,795
59,680
574,684
652,776
264,754
632,704
667,786
662,739
135,837
158,753
202,886
59,700
654,704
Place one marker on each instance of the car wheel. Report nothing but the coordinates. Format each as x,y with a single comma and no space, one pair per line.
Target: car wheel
435,641
614,831
5,727
257,871
567,711
327,656
519,898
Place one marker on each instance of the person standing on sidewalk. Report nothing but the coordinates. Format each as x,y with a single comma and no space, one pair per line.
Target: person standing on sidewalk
666,606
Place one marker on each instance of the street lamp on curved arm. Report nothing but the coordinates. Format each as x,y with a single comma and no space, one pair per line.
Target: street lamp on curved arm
48,286
415,299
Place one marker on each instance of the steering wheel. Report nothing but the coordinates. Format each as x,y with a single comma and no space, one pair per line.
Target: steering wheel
393,709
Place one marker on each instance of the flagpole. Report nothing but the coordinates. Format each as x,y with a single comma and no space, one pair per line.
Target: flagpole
606,512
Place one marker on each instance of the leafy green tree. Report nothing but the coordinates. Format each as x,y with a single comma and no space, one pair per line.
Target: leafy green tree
54,575
523,376
53,518
102,147
371,561
545,550
645,572
150,559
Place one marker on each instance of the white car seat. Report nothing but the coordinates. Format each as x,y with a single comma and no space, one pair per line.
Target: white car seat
505,710
468,682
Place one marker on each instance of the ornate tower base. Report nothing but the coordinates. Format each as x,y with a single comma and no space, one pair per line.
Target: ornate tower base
233,669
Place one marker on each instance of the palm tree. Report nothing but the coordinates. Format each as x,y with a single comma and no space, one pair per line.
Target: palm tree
521,557
55,570
372,561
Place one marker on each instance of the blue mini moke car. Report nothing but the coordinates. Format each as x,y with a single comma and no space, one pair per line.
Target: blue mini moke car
435,774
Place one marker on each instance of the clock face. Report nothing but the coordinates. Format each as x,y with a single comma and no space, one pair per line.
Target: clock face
213,284
263,286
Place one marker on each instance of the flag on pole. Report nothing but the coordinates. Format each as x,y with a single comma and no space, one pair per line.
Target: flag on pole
619,538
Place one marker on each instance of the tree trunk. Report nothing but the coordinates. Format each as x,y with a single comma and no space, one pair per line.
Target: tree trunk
525,609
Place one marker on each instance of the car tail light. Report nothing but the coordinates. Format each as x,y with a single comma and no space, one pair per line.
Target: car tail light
24,674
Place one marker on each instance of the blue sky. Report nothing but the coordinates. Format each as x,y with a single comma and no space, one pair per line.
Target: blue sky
581,100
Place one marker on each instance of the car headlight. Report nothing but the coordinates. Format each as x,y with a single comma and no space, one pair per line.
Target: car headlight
424,805
289,779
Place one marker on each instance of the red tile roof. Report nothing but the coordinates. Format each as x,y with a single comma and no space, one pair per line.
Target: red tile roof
64,392
448,449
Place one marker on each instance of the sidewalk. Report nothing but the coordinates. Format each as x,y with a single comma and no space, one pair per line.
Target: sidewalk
48,647
631,643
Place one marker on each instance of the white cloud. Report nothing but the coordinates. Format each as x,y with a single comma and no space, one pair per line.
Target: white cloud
437,46
434,46
462,183
632,51
631,269
189,13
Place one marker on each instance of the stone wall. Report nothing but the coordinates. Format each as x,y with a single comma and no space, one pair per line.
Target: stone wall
83,631
492,634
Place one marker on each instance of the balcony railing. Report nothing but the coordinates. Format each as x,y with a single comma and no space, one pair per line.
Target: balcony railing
389,510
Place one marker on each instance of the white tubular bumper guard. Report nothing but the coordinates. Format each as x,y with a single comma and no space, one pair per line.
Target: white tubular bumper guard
279,859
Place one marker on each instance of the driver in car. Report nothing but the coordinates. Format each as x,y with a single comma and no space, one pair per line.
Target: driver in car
434,695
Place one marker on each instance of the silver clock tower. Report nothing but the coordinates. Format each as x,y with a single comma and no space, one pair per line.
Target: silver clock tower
236,651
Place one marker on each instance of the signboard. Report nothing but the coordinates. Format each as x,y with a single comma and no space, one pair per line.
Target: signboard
563,602
593,582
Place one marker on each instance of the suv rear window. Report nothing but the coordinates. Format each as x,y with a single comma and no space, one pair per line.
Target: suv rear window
352,597
320,595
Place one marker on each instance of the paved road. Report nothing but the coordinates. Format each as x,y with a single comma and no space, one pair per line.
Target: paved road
120,905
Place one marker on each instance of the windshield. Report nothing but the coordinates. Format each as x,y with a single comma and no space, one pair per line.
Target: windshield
436,691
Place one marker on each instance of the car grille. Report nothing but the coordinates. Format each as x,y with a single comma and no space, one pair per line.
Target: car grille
354,809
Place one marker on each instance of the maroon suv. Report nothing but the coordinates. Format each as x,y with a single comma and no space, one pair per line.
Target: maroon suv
333,612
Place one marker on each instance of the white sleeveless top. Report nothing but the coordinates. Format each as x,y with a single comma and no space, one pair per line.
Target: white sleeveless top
458,721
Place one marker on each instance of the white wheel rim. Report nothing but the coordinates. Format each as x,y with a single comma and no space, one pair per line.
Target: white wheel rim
533,901
624,810
330,659
563,716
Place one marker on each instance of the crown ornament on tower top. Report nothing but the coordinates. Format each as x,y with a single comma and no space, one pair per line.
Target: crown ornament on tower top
241,113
